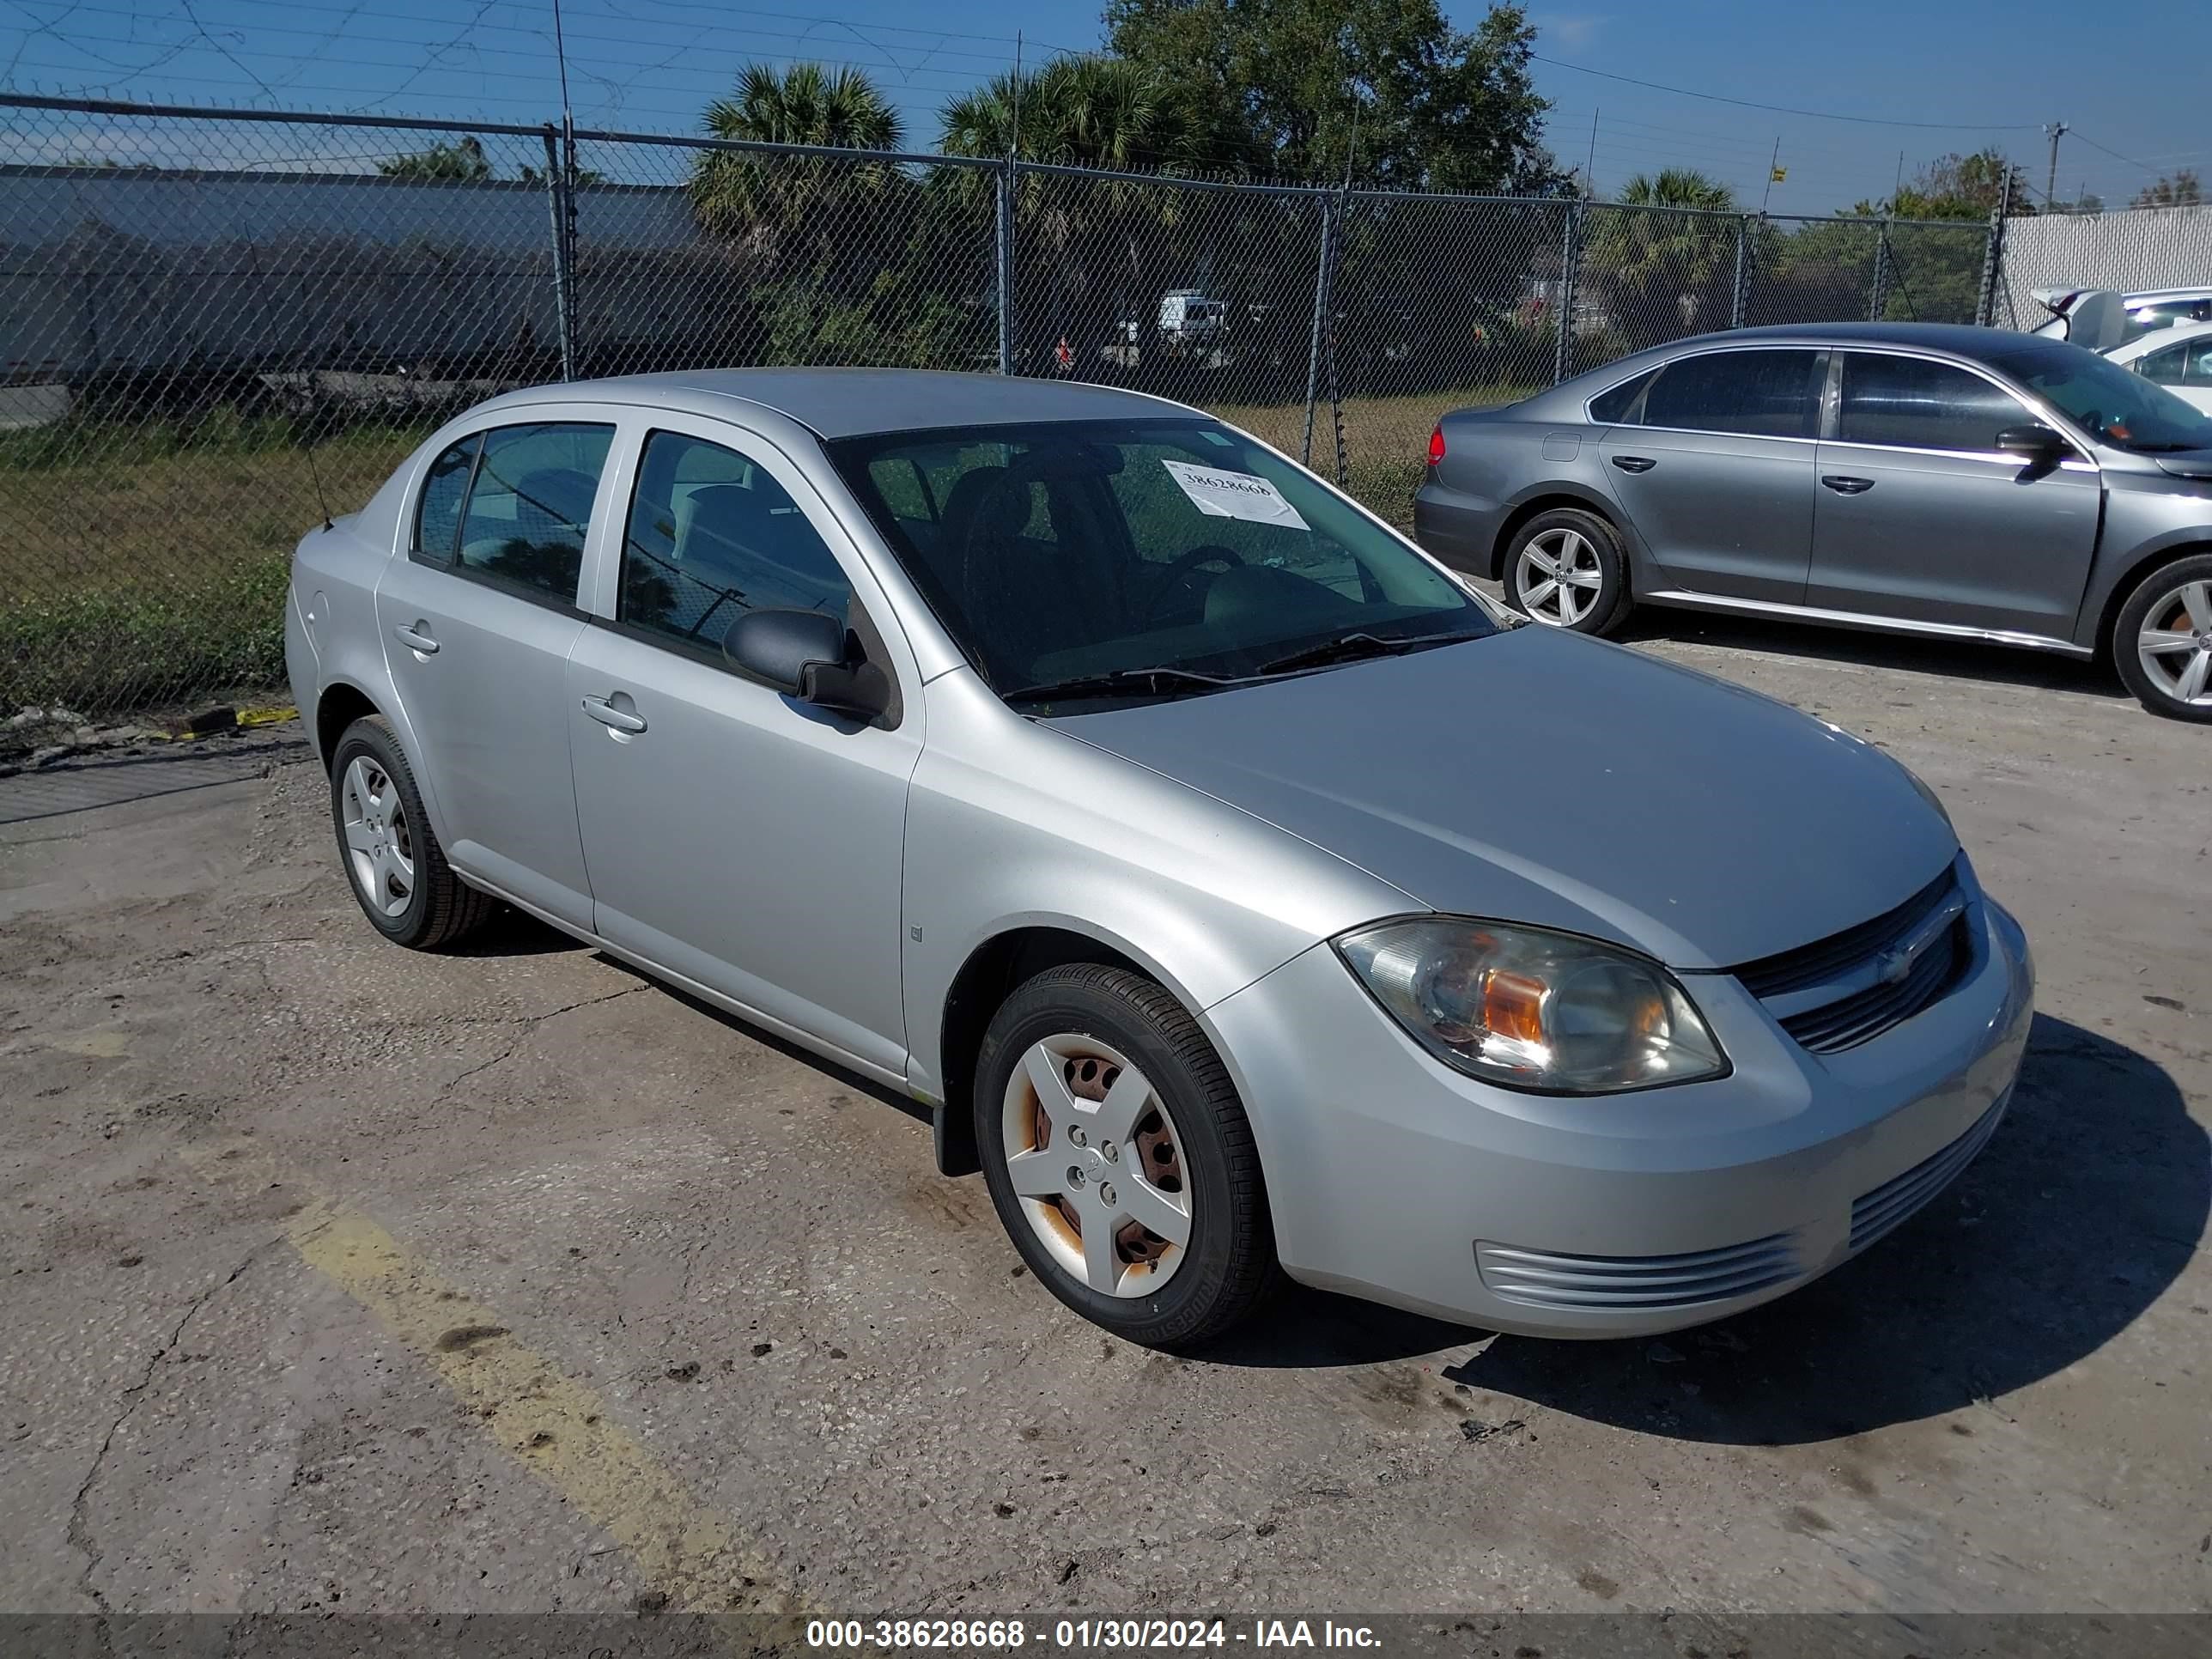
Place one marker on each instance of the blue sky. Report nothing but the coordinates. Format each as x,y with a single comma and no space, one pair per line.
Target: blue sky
1974,73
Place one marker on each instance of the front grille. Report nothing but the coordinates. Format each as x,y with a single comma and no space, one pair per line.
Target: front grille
1865,1005
1877,1211
1866,1015
1543,1278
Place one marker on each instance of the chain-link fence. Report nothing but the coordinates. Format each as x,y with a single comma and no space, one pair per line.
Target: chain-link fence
214,325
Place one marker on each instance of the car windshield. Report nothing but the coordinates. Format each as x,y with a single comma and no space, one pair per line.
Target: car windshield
2112,404
1082,561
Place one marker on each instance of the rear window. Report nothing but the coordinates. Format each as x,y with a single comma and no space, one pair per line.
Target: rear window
1758,393
1611,408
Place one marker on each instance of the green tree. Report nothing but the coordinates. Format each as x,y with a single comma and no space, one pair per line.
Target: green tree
1957,188
1283,87
1662,258
1088,111
463,161
2179,189
775,202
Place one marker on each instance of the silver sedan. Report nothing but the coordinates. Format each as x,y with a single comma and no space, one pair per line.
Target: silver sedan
1918,479
1243,898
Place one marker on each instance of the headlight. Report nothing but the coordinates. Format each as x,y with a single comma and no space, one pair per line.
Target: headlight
1534,1010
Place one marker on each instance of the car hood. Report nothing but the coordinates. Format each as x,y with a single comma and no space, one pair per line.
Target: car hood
1549,778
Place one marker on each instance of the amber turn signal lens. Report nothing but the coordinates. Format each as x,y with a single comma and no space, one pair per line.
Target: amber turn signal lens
1513,1005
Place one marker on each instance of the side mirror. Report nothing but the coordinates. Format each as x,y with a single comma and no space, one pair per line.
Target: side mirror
802,653
2035,443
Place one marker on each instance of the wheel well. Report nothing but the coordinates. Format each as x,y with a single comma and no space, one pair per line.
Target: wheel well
1527,510
985,981
2124,589
342,705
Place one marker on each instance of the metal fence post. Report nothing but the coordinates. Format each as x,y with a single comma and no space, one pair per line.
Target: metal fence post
1321,272
1570,254
1003,254
1739,294
572,333
556,193
1985,302
1878,297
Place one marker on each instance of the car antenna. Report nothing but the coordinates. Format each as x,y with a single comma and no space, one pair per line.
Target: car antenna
314,428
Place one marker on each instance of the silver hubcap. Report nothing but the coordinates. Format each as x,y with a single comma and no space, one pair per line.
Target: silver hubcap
2175,645
1560,577
1097,1165
379,842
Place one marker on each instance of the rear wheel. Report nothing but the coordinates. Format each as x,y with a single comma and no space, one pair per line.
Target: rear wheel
392,859
1565,569
1120,1159
2162,642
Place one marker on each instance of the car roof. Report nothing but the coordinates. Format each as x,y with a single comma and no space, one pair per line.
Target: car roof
845,403
1962,338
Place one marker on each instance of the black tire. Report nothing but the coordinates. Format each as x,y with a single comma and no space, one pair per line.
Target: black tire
441,910
1228,1268
2158,600
1611,604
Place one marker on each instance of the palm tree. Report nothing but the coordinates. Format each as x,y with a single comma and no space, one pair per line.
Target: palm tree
1087,111
1662,250
762,199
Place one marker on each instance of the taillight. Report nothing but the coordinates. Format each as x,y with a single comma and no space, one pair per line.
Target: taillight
1436,446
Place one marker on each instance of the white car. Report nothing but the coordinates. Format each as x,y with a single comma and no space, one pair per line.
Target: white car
2179,359
2134,315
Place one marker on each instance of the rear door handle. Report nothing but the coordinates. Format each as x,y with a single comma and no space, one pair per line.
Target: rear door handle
415,636
1846,486
607,715
1634,463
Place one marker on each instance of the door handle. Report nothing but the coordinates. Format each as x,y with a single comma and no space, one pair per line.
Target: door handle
415,636
1634,463
607,715
1846,486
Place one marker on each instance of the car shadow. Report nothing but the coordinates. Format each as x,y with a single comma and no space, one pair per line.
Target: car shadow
2088,1203
1951,658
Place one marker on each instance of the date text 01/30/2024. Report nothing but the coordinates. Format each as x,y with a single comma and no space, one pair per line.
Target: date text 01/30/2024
972,1634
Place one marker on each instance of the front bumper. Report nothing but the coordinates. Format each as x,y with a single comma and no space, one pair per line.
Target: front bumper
1393,1177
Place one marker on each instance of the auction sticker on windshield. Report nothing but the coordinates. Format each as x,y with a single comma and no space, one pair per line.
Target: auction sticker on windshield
1234,495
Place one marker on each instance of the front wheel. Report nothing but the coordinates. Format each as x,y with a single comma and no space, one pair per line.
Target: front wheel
1565,569
398,870
2162,642
1120,1159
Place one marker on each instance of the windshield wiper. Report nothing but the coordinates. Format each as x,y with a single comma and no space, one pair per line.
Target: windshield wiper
1123,680
1347,647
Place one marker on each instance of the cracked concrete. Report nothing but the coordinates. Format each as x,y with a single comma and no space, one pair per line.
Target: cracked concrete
747,1260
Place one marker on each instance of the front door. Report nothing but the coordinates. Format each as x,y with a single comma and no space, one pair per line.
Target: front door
477,622
1714,472
735,835
1921,518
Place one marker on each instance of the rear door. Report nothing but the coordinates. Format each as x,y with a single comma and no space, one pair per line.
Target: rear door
1714,472
1921,518
477,622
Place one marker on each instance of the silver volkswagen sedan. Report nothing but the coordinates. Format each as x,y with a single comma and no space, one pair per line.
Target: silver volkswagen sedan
1913,477
1243,898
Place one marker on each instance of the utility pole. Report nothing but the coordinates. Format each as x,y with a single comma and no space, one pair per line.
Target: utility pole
1773,162
1589,173
2057,130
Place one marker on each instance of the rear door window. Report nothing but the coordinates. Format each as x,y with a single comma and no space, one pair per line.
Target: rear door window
529,506
1914,403
1767,394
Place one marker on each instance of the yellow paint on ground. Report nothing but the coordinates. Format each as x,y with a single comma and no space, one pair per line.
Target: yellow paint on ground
557,1428
93,1045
